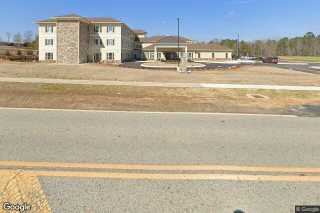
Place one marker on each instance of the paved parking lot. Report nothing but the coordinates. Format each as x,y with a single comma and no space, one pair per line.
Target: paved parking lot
209,66
302,67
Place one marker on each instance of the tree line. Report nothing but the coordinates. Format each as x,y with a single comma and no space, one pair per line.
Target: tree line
28,39
307,45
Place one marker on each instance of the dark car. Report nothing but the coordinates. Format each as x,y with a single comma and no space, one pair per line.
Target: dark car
270,60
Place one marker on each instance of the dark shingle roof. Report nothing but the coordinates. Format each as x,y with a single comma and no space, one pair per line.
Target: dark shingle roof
46,20
139,32
174,39
207,47
104,19
76,16
164,39
151,39
198,47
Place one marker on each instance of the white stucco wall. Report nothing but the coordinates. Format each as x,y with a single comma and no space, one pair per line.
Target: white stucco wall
104,36
217,55
222,55
43,35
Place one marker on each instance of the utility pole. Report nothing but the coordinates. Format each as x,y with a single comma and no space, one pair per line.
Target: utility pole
178,19
238,46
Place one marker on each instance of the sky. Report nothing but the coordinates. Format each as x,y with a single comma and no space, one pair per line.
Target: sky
201,20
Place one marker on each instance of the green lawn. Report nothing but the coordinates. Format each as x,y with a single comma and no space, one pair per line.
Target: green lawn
315,59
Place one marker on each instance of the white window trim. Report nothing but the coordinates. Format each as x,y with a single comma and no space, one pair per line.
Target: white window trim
49,56
112,56
110,42
49,42
95,28
49,28
108,29
98,42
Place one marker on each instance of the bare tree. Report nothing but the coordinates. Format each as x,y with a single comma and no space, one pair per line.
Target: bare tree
8,36
28,37
17,38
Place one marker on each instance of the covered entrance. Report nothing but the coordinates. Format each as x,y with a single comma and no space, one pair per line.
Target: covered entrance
170,52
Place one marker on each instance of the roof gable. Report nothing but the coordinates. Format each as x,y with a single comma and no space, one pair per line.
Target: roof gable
165,39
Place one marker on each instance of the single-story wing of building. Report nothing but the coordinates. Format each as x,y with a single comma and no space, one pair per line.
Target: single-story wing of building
169,48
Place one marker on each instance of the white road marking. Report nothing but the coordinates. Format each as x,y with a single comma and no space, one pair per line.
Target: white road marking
145,112
315,67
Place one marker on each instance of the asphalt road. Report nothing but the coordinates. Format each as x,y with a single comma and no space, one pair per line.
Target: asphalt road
301,67
165,139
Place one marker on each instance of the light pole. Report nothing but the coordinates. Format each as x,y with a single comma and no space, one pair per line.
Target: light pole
238,46
178,19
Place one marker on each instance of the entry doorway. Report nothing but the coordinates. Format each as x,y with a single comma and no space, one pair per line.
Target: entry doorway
171,56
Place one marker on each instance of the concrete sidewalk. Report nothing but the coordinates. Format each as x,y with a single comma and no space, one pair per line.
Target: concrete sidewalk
158,84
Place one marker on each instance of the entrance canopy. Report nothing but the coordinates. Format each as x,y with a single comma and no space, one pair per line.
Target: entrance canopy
169,50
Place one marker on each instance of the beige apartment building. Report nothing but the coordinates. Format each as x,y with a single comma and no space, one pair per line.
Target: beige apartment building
172,47
73,39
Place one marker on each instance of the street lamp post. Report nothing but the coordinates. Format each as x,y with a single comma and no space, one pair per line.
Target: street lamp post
178,19
238,46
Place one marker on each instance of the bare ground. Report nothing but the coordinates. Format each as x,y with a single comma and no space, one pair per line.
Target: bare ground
124,98
242,75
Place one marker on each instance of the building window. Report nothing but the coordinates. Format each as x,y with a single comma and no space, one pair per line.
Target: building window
49,28
49,42
98,42
151,55
146,54
97,28
227,55
49,56
213,56
110,42
190,55
110,28
97,57
110,56
159,55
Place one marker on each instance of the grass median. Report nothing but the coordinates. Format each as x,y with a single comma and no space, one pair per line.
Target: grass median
128,98
310,59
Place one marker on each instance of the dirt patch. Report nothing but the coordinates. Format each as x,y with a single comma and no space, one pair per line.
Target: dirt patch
243,75
257,96
125,98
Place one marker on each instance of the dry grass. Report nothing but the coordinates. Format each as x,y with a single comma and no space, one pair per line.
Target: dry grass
151,99
243,75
